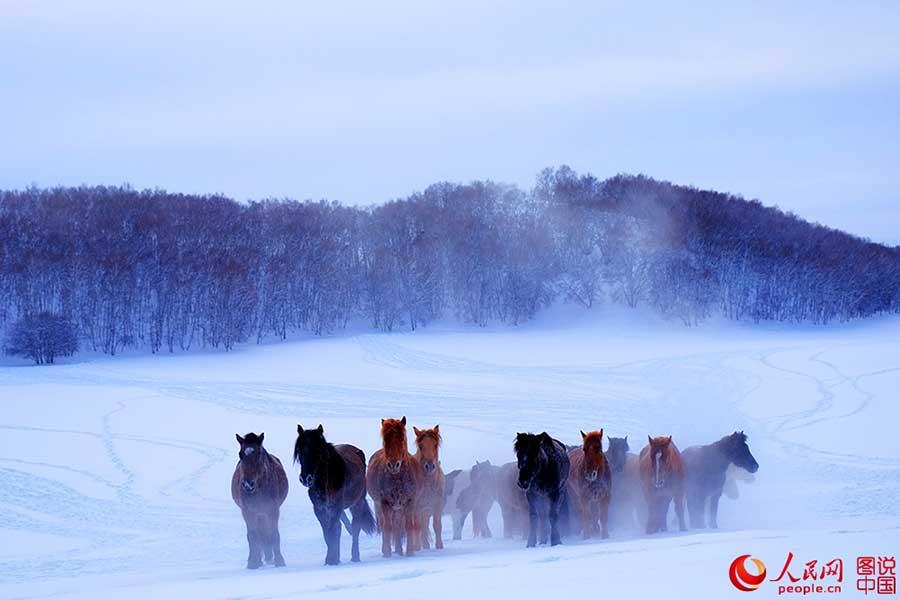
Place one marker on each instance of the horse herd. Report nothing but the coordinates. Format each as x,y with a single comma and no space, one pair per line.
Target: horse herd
550,491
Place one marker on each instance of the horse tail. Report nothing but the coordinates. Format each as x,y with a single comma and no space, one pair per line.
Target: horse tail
363,515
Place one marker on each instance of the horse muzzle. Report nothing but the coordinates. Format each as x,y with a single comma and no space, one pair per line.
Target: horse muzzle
429,467
248,486
523,485
308,480
659,484
591,476
394,467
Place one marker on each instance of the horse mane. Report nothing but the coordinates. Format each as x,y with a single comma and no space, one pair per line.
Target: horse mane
673,458
393,434
593,436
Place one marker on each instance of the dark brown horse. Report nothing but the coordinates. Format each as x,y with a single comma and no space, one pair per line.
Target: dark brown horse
336,478
512,500
431,489
662,481
706,467
259,487
393,482
590,484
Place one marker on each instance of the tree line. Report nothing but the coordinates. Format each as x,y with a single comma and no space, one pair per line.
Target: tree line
165,271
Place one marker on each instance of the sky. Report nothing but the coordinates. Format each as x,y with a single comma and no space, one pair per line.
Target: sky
795,104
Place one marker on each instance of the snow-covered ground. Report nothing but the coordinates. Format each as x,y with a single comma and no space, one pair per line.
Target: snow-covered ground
115,472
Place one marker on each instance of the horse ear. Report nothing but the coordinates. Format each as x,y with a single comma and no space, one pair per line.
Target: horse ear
239,439
601,434
437,428
416,431
649,439
582,434
299,428
626,438
403,420
669,440
320,429
262,436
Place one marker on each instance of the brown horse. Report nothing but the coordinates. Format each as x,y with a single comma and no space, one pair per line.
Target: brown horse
393,482
590,484
431,491
512,500
259,486
662,480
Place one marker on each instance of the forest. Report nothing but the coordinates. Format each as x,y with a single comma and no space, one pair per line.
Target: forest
166,272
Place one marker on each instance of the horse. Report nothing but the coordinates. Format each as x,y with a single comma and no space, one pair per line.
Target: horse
543,465
662,479
431,490
259,486
617,453
392,480
480,496
590,484
706,470
512,500
336,478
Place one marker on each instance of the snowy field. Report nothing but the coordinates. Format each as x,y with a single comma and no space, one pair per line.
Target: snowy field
115,472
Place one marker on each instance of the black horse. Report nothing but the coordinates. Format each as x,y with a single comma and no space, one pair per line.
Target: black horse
336,478
705,468
617,453
543,465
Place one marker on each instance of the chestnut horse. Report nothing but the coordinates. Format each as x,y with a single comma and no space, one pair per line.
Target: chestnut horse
259,486
393,482
431,478
336,478
662,480
590,484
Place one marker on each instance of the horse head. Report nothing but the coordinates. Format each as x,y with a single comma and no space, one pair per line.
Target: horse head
737,450
393,437
661,459
310,451
427,443
617,453
482,474
594,460
252,460
530,456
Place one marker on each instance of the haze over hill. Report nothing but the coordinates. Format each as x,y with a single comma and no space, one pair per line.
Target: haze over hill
167,271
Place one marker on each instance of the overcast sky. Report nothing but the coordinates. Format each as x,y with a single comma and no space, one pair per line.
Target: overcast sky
795,104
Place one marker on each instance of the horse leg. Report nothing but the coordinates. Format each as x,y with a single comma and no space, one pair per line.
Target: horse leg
679,510
399,524
532,519
696,508
424,534
604,517
480,517
335,547
355,527
554,500
714,510
387,530
459,518
652,515
664,514
412,531
544,522
508,516
438,526
275,540
254,558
